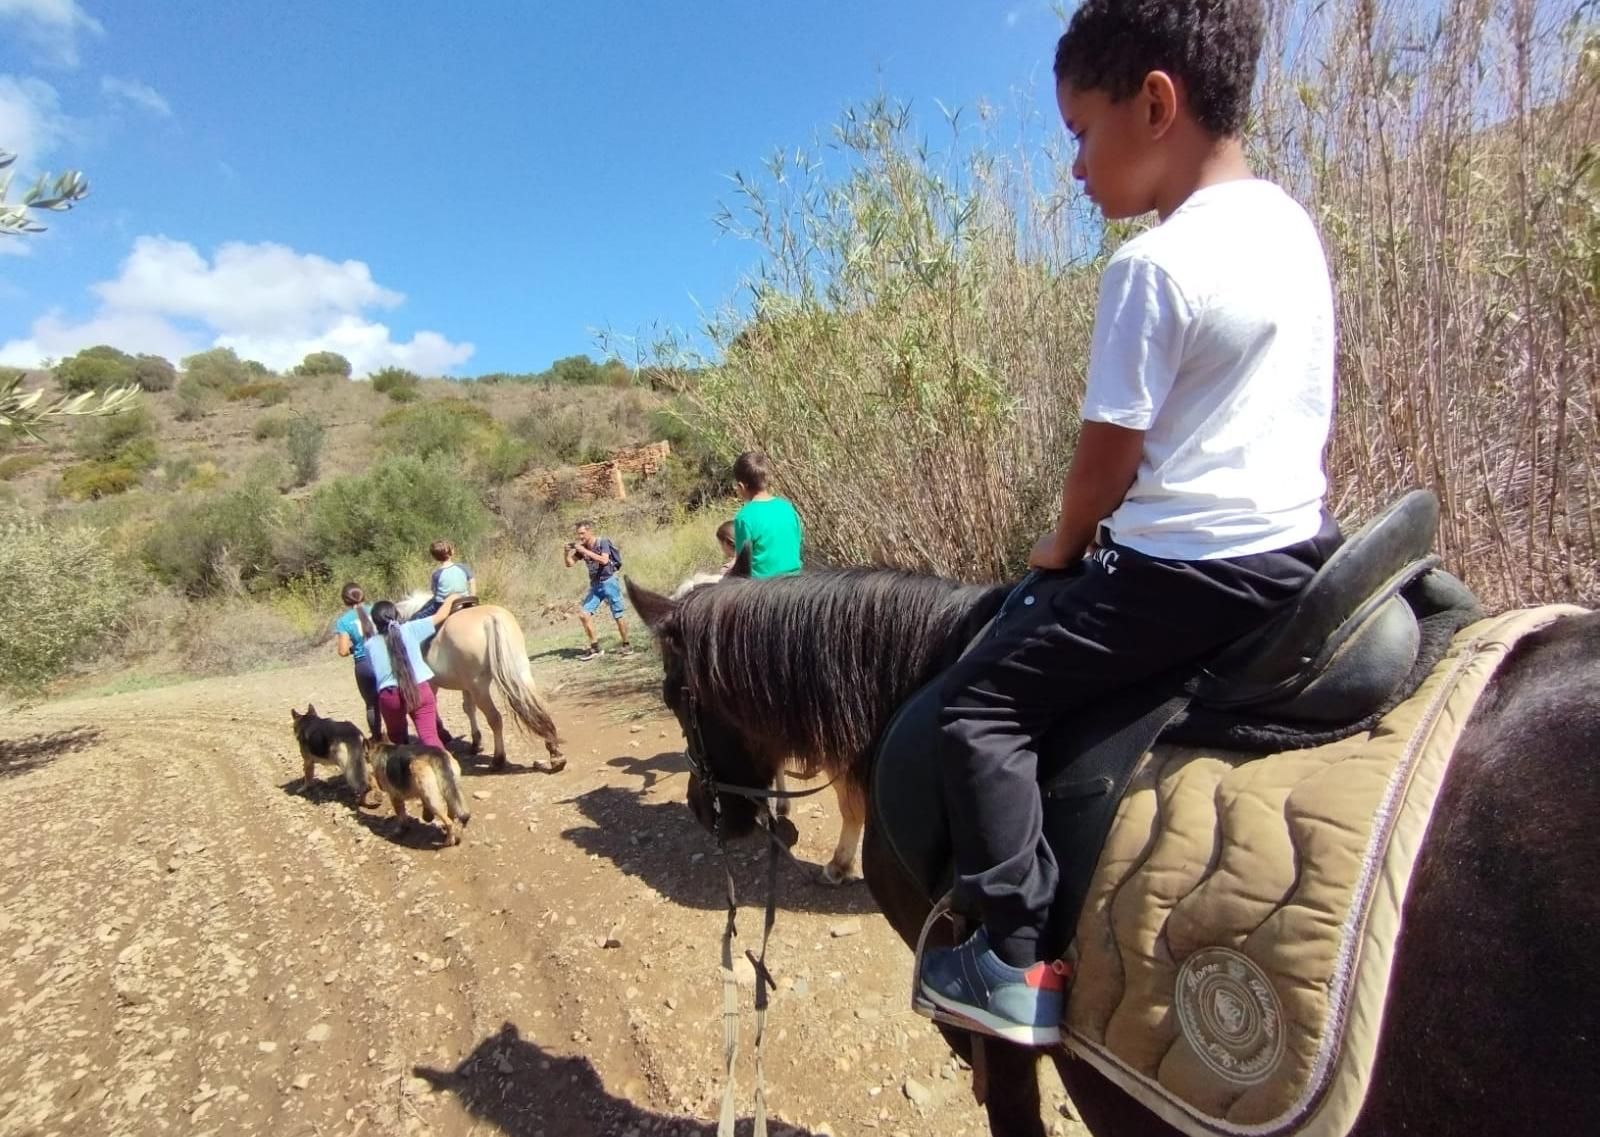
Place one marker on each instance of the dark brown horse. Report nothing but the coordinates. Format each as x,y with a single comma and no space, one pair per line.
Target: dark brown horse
1493,1020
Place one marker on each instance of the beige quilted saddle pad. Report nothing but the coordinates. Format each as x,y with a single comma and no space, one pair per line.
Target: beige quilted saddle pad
1235,948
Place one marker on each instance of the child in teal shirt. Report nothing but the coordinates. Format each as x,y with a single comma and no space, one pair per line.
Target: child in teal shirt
766,524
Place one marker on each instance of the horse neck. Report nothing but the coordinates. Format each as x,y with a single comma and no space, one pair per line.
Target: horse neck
815,679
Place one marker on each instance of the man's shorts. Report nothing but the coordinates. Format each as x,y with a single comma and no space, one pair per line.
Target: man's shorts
608,590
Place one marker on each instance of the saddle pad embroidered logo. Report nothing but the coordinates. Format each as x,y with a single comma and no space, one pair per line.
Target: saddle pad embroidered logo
1230,1014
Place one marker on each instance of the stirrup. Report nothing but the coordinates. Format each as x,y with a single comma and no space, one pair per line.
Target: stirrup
920,1003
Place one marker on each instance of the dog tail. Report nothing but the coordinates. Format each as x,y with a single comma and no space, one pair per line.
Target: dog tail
452,789
508,665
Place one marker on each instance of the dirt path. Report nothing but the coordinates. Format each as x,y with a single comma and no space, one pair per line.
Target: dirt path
190,947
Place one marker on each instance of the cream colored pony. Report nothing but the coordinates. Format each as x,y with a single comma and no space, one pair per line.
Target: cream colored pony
479,651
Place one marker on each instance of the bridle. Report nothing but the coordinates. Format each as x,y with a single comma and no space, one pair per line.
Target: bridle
700,767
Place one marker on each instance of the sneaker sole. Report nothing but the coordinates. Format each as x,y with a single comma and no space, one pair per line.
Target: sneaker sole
981,1020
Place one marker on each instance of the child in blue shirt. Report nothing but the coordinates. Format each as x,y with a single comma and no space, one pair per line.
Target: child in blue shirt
351,631
449,579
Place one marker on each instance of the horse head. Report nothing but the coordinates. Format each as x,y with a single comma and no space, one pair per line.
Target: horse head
714,744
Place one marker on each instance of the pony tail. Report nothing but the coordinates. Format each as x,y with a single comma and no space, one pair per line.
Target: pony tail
367,630
400,660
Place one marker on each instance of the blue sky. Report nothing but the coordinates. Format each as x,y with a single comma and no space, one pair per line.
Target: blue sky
453,187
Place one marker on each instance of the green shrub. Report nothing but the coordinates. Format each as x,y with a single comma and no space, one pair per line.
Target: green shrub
116,450
154,373
128,437
95,479
399,384
451,427
95,369
217,369
376,527
63,597
324,363
194,399
506,458
271,426
269,392
305,449
14,465
219,544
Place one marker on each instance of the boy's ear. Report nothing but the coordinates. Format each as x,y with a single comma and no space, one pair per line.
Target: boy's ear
1162,93
653,608
741,561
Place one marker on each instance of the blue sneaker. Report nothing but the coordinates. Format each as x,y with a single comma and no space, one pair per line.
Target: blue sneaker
975,985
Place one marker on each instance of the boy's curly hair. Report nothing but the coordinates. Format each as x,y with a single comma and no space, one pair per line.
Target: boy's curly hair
1211,45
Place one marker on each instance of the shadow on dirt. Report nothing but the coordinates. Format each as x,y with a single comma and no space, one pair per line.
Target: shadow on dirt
377,820
522,1089
23,755
661,844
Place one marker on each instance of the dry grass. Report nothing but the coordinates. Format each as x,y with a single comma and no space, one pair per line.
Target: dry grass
1452,165
912,347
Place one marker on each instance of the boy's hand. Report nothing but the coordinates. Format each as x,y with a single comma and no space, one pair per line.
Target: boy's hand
1051,552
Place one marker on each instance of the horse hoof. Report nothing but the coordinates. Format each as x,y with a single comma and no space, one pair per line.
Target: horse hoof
477,746
835,877
554,765
499,762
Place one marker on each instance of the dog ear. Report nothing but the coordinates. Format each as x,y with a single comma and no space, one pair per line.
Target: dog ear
653,608
741,561
311,710
294,714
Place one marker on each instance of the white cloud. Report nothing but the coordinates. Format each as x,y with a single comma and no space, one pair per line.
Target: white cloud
141,95
266,301
52,26
31,122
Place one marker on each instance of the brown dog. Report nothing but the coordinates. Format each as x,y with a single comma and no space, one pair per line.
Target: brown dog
334,742
421,773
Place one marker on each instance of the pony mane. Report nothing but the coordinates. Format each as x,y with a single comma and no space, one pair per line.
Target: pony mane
407,607
812,666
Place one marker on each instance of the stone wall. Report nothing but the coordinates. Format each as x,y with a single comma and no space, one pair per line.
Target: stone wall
597,479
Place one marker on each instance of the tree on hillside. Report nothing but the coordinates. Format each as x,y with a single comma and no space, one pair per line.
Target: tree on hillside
153,373
16,217
324,363
217,369
96,369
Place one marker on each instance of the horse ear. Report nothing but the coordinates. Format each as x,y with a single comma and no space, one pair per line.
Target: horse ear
741,562
653,608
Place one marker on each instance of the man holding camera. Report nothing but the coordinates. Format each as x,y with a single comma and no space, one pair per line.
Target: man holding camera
602,560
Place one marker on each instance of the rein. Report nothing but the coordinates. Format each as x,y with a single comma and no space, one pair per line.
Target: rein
700,766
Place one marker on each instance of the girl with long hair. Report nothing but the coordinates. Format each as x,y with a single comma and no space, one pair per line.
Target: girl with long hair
352,630
400,673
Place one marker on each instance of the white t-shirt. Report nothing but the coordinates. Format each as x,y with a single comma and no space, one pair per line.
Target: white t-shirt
1214,335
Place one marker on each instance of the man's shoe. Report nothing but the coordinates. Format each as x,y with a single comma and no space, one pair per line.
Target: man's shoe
972,983
625,650
595,652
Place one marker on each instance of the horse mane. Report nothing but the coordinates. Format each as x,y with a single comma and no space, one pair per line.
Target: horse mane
811,667
407,607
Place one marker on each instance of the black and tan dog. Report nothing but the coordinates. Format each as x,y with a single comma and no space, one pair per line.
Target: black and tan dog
334,742
422,773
